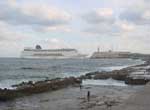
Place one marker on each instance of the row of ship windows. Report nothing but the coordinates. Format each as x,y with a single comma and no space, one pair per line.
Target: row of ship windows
48,54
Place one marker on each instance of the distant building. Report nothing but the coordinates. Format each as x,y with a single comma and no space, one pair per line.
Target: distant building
110,54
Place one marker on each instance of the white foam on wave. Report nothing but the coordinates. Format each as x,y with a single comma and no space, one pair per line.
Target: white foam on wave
107,82
111,68
9,82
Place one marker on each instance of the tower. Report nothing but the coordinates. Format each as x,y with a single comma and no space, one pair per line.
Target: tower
98,50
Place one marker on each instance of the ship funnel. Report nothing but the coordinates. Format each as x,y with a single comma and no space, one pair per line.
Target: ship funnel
38,47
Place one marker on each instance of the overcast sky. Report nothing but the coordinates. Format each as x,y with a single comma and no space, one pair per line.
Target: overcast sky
81,24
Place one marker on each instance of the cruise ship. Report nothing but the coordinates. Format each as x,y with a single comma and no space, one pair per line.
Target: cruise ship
38,52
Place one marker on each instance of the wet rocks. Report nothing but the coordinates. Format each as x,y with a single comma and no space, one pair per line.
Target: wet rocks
126,74
30,88
136,81
89,75
148,70
102,75
120,74
116,74
6,94
132,81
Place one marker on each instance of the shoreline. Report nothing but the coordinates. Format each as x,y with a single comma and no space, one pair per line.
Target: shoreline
124,74
75,72
29,88
71,96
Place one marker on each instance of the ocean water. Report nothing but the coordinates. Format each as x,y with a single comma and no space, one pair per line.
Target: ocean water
16,70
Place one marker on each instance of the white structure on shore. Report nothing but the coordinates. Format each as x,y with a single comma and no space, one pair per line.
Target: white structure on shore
38,52
110,54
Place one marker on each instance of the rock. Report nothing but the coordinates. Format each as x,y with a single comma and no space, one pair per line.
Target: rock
6,94
116,74
30,88
119,74
136,81
148,70
102,75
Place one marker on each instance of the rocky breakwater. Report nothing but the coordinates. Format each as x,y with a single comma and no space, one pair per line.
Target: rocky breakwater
134,75
140,76
116,74
30,88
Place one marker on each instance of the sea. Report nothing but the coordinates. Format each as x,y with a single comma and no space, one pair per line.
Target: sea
16,70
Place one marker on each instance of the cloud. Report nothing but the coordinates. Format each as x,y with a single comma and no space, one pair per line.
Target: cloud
128,29
8,34
138,14
139,18
110,30
103,21
135,42
11,42
34,15
17,19
53,43
98,16
125,24
10,49
100,21
56,29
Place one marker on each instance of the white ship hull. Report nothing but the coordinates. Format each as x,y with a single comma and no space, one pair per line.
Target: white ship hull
51,54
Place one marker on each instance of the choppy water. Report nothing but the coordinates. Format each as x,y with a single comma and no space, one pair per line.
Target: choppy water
13,70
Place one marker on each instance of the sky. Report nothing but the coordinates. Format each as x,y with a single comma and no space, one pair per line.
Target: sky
119,25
